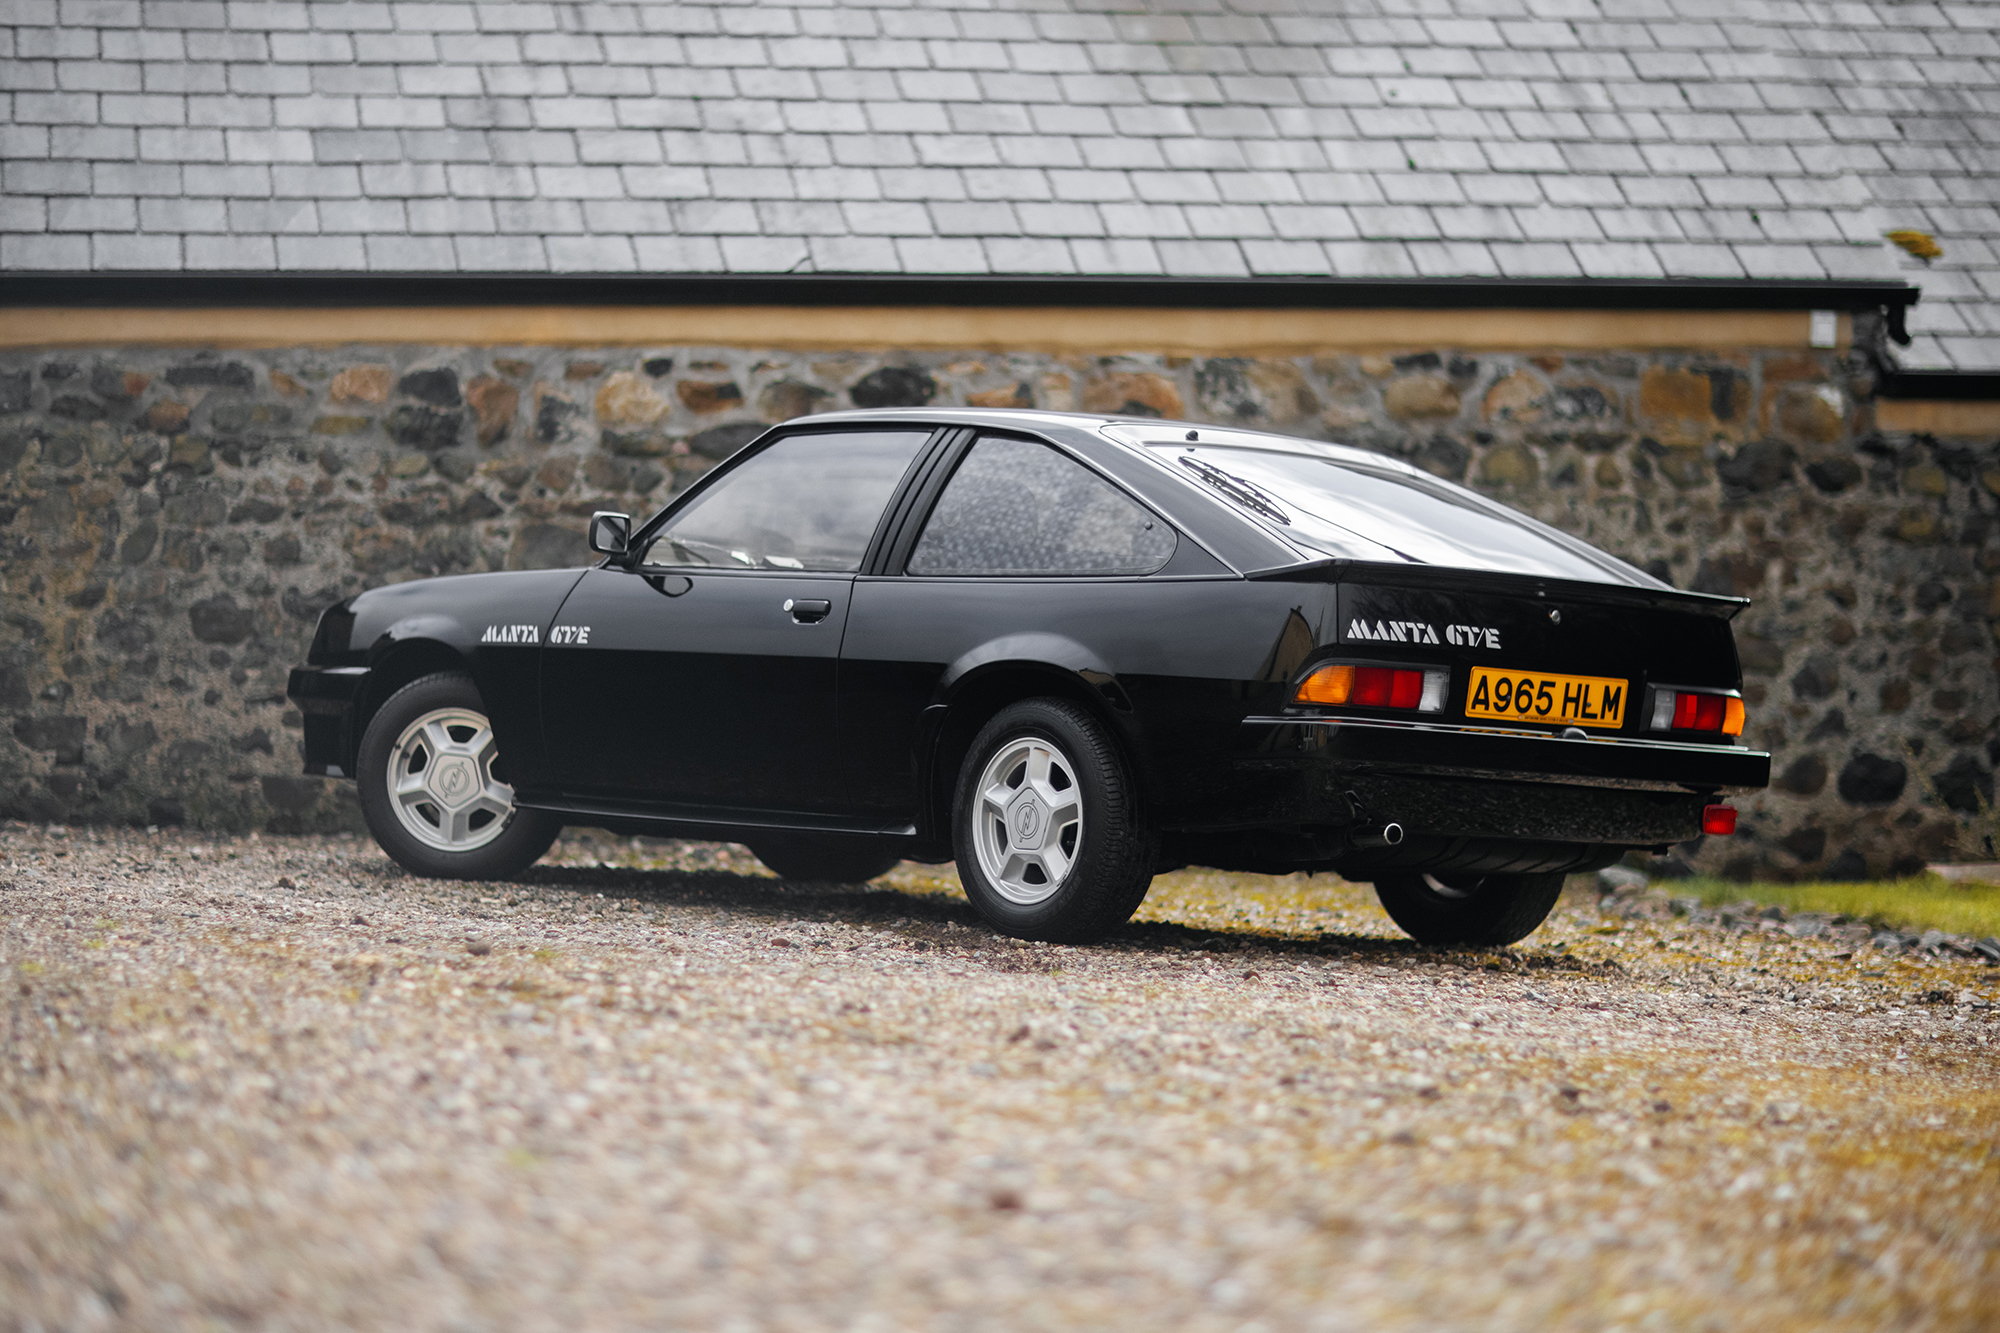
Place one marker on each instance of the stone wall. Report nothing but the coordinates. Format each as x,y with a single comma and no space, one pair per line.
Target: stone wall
172,522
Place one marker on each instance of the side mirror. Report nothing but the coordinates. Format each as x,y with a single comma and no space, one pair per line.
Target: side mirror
610,533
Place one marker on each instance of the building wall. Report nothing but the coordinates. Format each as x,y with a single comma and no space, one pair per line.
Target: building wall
171,522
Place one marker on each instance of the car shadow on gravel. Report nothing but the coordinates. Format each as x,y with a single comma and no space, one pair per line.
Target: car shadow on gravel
931,916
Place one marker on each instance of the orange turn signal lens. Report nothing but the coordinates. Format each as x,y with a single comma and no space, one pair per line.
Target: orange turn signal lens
1328,685
1732,718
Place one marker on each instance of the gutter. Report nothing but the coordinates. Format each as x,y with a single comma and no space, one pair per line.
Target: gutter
336,289
1940,386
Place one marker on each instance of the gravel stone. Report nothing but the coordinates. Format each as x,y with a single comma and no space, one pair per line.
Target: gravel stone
273,1082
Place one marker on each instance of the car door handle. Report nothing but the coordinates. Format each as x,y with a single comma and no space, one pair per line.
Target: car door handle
808,610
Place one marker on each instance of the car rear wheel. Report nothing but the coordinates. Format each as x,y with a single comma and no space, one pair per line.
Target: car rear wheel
1051,841
432,790
836,860
1479,910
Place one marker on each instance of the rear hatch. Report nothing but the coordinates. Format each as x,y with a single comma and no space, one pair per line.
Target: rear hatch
1499,630
1433,574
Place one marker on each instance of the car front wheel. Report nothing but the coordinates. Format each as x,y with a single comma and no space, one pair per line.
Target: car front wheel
1475,910
432,792
1051,840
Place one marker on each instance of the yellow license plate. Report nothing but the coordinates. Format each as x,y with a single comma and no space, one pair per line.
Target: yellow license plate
1531,696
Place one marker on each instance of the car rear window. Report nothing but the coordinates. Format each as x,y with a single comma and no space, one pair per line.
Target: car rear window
1347,508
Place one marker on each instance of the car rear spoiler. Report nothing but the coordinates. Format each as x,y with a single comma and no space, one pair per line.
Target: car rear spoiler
1450,579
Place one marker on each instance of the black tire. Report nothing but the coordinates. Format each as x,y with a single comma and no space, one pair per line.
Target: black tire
1110,862
522,836
833,859
1477,910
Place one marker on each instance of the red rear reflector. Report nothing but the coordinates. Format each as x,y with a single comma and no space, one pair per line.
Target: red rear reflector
1408,689
1718,820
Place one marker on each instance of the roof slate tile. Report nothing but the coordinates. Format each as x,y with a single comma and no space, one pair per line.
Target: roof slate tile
829,254
614,254
131,250
238,250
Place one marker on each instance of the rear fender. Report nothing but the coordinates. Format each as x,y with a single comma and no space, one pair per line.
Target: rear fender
1036,652
1004,671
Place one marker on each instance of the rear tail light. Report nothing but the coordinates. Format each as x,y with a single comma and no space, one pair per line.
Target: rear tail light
1697,710
1718,820
1410,688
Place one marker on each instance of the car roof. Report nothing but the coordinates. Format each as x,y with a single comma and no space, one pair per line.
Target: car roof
1145,436
1132,431
1014,417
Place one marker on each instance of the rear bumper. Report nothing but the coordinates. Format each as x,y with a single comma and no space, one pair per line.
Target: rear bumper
1302,787
1416,750
327,696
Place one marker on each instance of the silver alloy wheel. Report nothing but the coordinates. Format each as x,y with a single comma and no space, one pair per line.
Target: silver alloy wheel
1029,825
441,781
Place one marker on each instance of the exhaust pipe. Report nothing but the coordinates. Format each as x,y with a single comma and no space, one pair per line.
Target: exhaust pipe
1389,835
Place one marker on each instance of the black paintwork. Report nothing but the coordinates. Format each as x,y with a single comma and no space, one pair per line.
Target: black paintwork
715,695
700,703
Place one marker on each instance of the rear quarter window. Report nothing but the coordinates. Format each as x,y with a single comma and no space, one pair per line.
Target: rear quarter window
1015,507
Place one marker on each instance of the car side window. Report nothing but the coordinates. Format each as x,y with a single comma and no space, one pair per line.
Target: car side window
807,502
1018,507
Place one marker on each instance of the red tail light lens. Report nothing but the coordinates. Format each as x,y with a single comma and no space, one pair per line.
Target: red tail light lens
1386,687
1376,687
1718,820
1698,712
1689,710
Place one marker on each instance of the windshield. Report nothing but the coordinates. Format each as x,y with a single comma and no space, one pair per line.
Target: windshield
1350,507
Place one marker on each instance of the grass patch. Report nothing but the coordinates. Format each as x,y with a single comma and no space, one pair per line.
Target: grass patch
1922,902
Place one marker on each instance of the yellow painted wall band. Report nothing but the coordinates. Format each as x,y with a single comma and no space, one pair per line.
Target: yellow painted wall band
1091,331
1937,418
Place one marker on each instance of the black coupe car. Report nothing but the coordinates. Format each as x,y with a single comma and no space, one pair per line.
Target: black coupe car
1068,651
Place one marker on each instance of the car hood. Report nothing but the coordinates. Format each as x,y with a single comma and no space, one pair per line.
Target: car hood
458,609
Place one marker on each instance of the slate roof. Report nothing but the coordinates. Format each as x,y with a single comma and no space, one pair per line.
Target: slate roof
1627,138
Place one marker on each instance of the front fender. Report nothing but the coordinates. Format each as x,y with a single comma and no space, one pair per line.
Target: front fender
442,629
491,625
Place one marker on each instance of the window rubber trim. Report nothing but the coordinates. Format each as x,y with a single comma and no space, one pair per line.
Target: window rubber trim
922,498
896,512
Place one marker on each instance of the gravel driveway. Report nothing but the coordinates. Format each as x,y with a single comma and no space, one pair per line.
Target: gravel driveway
277,1083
